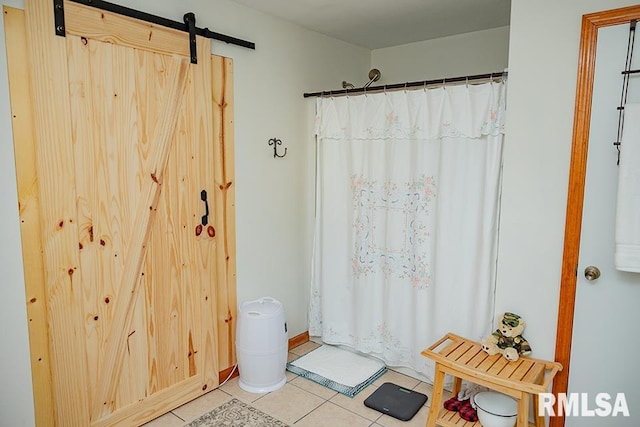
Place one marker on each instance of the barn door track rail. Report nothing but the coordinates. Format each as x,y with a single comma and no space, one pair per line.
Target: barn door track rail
188,26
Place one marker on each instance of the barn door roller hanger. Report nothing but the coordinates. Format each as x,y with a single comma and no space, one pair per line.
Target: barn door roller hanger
188,26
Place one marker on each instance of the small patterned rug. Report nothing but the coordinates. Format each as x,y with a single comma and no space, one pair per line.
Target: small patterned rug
236,413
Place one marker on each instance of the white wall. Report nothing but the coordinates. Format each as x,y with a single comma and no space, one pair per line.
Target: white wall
272,195
543,61
478,52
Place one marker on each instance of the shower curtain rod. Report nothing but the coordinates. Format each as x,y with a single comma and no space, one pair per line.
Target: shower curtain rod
491,76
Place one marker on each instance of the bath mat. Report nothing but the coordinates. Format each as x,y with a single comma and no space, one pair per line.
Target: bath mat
340,370
395,401
235,413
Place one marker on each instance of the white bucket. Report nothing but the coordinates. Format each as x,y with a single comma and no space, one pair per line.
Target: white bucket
496,409
262,345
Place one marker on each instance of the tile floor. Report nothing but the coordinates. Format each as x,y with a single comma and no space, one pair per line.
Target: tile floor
303,403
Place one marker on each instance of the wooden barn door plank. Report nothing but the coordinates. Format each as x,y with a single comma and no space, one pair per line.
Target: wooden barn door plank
29,209
154,406
198,267
223,168
129,283
55,161
121,30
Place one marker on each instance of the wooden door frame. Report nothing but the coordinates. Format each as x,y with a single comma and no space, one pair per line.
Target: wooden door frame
591,23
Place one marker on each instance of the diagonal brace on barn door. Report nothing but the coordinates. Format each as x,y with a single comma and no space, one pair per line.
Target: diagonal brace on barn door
129,285
188,26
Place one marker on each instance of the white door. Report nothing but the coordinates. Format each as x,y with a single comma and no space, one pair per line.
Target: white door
605,354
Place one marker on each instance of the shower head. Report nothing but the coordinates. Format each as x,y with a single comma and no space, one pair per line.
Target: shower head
374,76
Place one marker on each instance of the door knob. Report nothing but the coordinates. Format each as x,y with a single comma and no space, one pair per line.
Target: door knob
591,272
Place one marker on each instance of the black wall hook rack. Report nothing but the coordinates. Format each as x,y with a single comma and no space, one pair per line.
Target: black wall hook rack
275,142
626,73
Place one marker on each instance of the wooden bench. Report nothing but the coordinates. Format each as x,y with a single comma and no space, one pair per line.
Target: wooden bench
465,360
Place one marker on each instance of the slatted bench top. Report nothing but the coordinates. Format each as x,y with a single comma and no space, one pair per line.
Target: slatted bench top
527,374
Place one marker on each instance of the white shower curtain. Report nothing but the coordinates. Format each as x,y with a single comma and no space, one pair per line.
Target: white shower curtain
408,187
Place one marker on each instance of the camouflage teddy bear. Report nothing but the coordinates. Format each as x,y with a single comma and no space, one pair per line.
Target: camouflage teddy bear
508,339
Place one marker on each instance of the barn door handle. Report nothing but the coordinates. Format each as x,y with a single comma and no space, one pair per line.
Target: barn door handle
205,217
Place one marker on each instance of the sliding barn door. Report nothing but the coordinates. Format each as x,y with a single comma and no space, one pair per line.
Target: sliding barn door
135,216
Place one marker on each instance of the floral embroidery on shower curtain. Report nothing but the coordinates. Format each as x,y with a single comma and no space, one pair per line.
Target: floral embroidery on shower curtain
405,208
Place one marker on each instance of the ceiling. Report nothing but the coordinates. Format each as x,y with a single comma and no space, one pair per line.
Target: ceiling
381,23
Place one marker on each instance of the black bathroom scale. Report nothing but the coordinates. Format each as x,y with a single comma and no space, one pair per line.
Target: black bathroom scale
395,401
